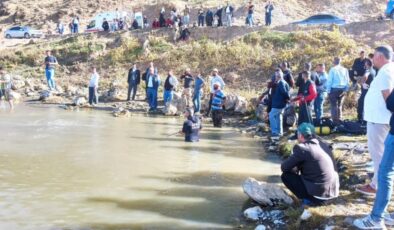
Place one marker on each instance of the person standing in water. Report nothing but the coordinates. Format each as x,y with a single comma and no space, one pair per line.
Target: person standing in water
191,127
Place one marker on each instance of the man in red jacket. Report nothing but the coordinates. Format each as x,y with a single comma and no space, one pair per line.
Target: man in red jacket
307,94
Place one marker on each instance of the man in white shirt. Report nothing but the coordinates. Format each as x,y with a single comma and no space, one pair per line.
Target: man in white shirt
215,79
229,14
375,112
93,85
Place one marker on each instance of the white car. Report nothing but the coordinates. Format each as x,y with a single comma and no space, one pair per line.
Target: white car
22,32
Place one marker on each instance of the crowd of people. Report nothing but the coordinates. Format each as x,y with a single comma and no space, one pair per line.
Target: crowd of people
310,172
179,20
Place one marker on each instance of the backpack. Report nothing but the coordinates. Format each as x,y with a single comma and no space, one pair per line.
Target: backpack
352,127
289,116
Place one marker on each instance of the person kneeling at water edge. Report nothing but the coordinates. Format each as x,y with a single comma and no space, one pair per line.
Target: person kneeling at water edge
310,172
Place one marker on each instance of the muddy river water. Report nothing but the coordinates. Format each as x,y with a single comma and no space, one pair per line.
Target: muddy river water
89,170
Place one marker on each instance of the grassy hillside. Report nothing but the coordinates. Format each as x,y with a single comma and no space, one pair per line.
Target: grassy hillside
252,57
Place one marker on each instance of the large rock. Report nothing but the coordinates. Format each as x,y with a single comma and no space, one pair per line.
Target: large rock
18,84
54,100
265,193
44,95
241,105
253,213
236,103
114,94
17,97
261,112
121,112
177,106
79,101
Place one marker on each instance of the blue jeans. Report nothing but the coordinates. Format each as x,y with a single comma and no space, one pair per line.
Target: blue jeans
200,20
76,29
152,97
251,19
385,180
168,95
229,19
50,74
276,121
319,105
197,101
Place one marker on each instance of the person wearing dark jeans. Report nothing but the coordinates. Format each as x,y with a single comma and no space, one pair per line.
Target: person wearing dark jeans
268,13
209,18
218,14
201,17
365,82
337,85
93,85
218,100
134,79
153,83
310,172
305,98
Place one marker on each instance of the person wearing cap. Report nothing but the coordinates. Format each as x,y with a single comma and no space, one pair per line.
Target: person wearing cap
218,100
310,172
280,98
215,79
305,98
192,126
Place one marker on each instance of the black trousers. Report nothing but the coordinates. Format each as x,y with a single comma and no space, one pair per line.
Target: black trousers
360,106
305,114
132,89
93,98
295,184
210,103
217,118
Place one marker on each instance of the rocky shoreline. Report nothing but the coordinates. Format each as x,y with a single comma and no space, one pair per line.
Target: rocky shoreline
350,152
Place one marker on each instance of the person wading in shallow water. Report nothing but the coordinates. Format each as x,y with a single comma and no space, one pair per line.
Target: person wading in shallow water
191,127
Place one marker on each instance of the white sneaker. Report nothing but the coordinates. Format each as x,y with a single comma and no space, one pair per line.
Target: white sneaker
389,219
368,223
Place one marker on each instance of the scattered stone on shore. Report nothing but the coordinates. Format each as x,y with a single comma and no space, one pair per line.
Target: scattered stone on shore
261,112
265,193
253,213
121,112
79,101
356,147
16,96
306,215
44,95
170,110
260,227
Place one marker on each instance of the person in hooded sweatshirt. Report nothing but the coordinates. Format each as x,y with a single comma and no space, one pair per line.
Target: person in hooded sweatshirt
191,127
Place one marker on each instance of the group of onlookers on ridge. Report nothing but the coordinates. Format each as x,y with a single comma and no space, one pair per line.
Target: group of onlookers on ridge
180,20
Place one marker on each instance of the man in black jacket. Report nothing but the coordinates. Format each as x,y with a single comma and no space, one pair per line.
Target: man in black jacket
218,14
310,172
134,79
105,25
358,68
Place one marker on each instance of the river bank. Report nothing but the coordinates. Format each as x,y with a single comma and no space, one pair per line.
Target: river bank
350,152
